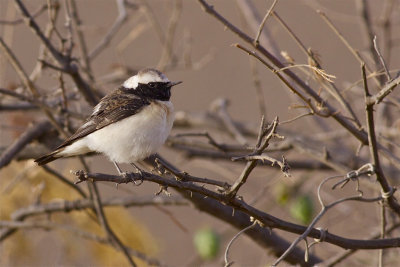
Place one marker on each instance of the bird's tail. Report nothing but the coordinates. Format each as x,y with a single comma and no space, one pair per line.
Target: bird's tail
47,158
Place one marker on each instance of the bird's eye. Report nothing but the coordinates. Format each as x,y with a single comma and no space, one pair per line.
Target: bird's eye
152,85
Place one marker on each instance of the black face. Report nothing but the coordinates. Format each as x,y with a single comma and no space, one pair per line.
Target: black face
153,90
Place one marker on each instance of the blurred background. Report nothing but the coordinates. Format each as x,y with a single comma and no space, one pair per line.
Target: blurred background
202,56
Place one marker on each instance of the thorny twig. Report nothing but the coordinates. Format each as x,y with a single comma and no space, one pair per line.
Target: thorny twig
240,205
373,147
265,135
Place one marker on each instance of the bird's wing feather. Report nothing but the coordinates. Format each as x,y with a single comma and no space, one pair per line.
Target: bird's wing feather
112,108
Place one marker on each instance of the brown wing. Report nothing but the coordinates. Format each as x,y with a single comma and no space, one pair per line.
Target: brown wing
111,108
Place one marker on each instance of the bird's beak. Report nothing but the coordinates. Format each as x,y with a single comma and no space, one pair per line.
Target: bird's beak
170,84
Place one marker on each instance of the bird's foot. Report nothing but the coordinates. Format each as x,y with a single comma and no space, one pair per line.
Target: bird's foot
130,175
140,172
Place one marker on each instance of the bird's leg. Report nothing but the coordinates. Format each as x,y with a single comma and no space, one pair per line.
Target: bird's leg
139,171
120,172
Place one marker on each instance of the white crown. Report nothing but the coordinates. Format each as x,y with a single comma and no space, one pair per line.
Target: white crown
144,77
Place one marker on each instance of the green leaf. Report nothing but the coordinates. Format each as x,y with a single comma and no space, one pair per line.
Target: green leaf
302,209
206,242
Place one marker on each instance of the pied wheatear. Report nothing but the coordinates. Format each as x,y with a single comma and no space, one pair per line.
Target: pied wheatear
127,125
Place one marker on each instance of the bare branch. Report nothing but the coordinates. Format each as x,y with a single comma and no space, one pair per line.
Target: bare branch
240,205
373,147
381,59
265,135
256,40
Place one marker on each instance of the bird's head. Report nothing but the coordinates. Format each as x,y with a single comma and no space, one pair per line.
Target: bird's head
150,83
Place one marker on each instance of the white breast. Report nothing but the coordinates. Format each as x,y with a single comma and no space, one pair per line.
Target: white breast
136,137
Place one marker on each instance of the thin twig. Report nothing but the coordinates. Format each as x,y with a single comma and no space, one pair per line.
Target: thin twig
388,77
314,63
324,209
385,91
265,135
35,14
264,157
373,147
355,53
227,262
306,100
256,40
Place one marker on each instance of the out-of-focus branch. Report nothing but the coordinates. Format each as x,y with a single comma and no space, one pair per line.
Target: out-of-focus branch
355,53
35,14
219,106
81,40
167,54
384,92
64,180
111,236
64,61
30,134
83,204
366,23
120,20
261,27
77,232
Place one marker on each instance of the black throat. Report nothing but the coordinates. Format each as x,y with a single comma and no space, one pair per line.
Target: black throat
151,91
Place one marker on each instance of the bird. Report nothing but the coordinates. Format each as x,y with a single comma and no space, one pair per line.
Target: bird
127,125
